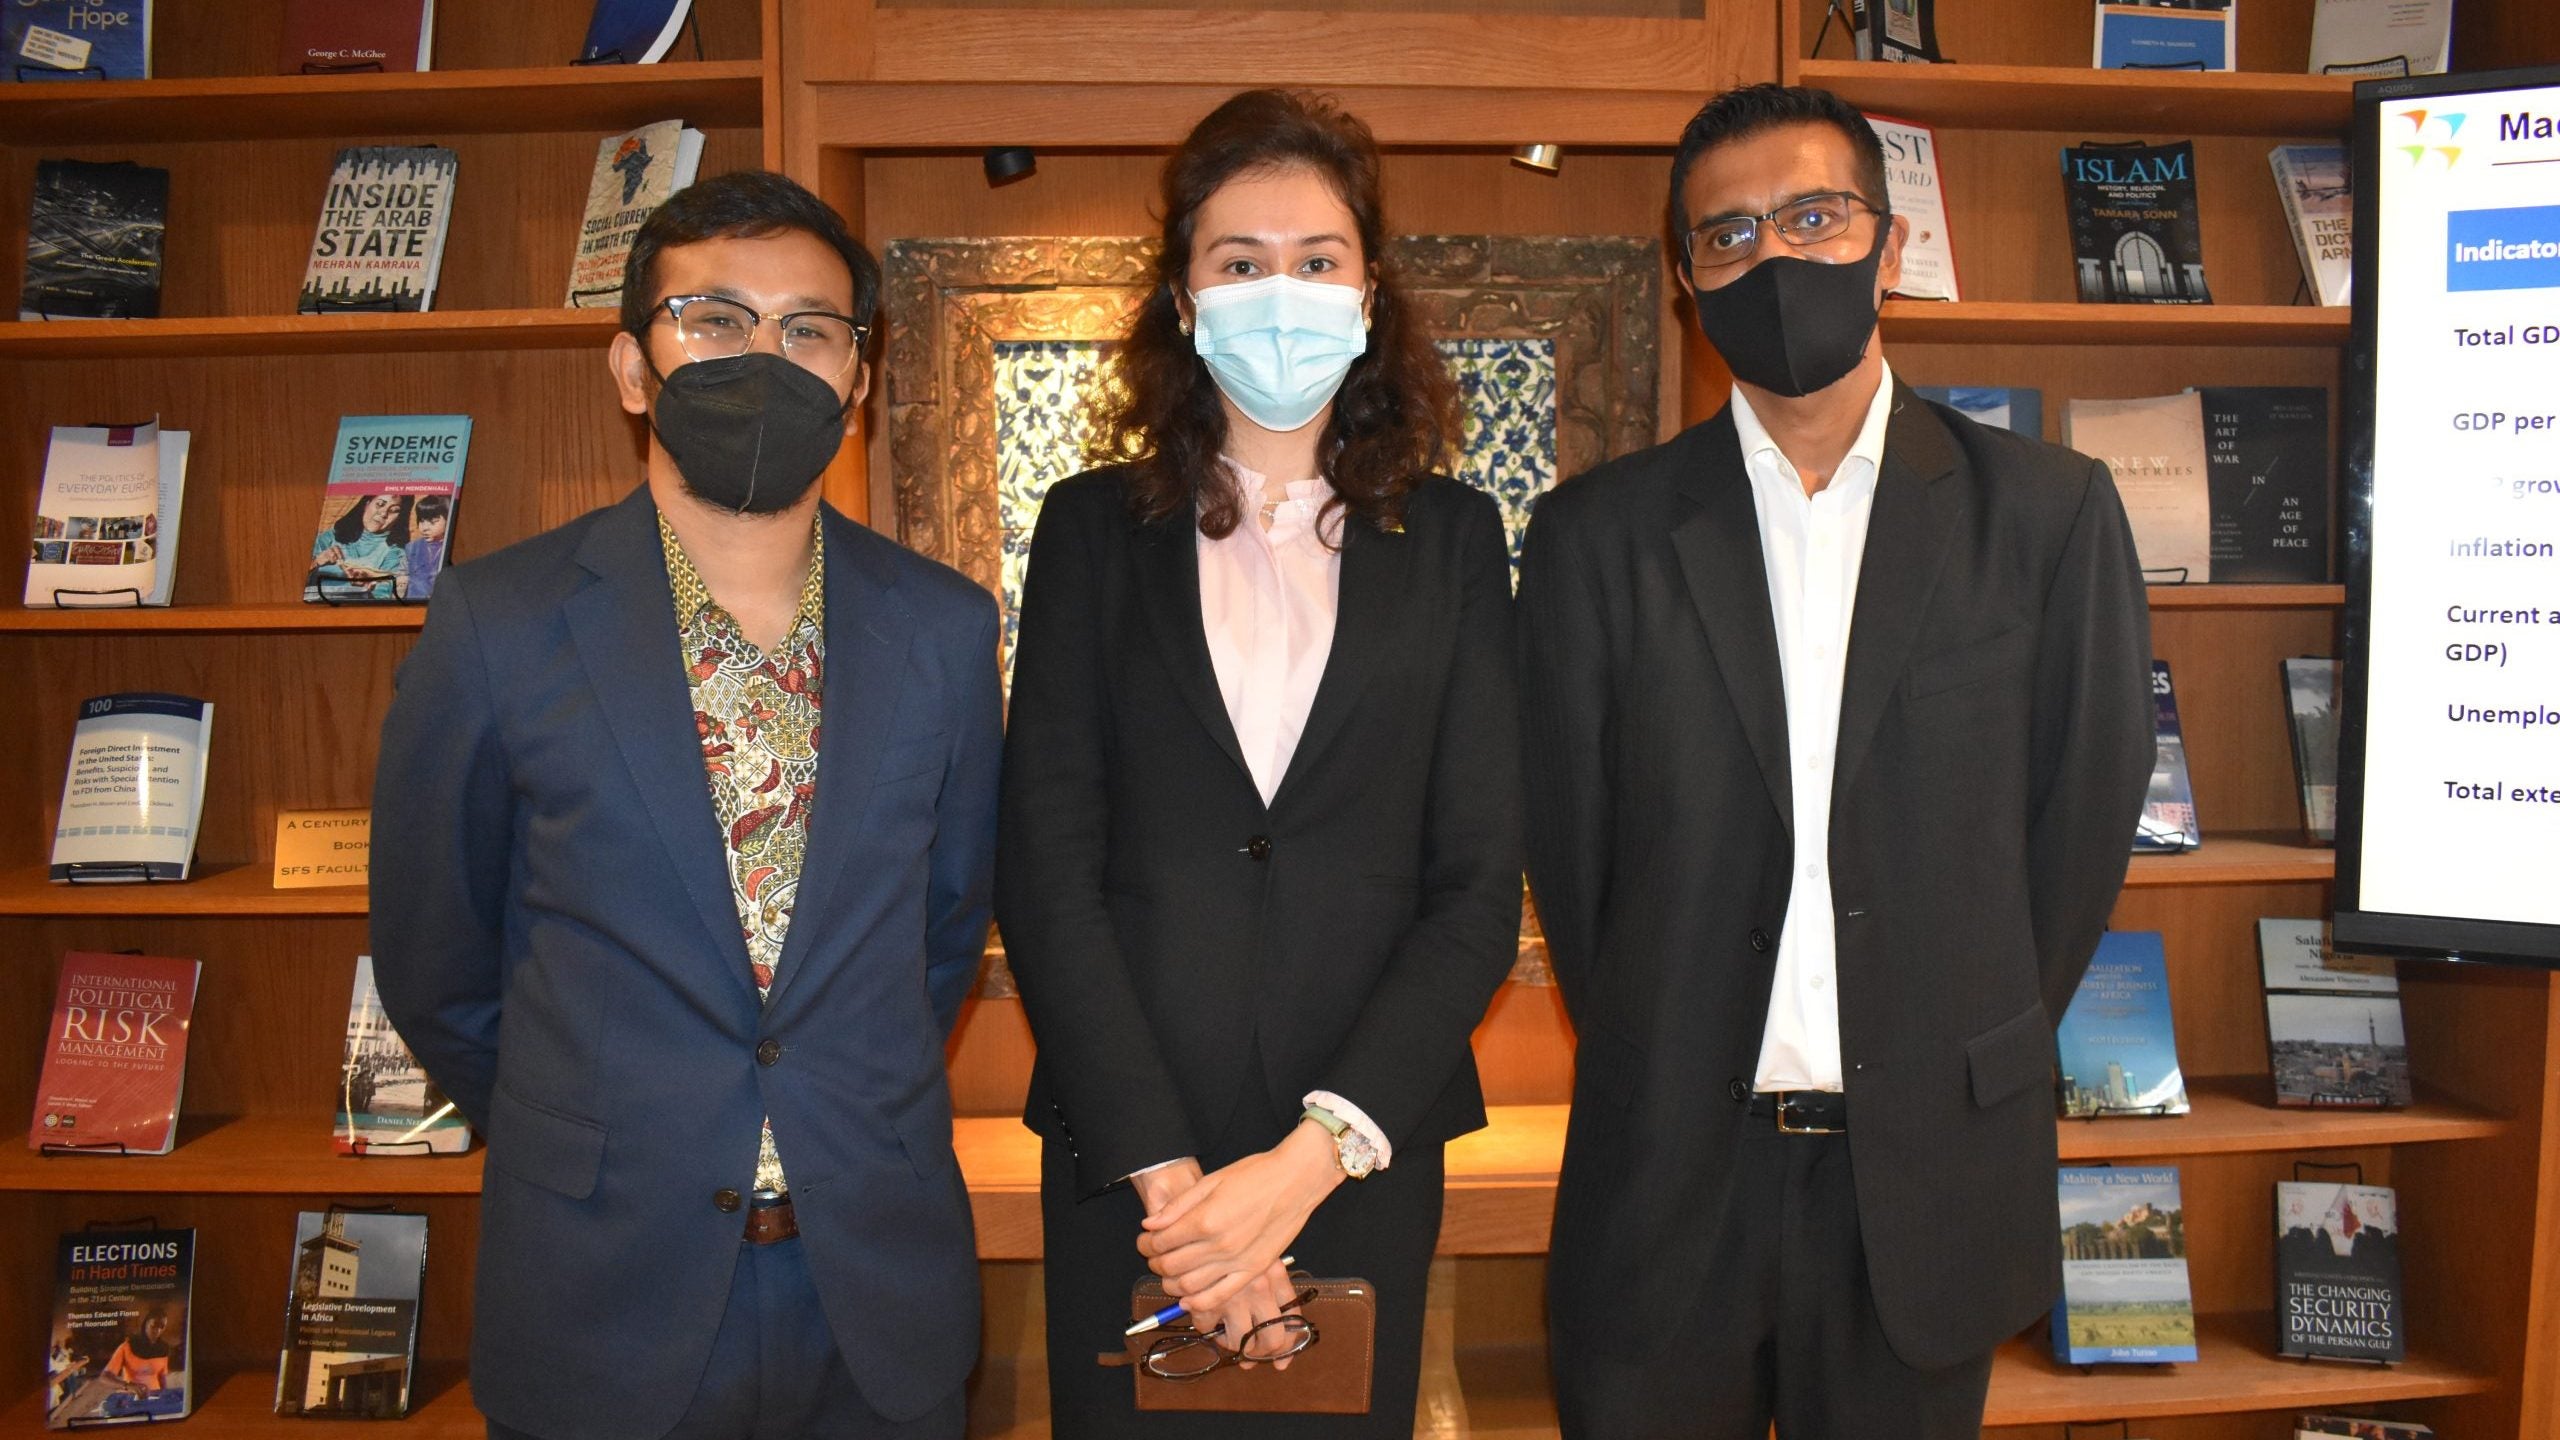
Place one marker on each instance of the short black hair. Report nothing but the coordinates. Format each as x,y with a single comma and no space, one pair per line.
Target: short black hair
430,507
742,203
1747,110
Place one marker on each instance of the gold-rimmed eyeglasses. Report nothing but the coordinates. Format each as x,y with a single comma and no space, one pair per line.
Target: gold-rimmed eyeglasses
1805,224
1184,1353
715,327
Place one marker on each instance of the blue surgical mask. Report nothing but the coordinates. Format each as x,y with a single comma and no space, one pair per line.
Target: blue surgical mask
1279,346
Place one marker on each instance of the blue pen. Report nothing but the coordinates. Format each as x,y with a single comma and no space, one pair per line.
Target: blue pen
1174,1311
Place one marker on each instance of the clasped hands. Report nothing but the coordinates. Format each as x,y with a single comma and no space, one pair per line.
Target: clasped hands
1216,1239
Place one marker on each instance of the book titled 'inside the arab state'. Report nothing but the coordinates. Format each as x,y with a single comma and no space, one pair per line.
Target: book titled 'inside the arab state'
380,243
119,1350
2338,1272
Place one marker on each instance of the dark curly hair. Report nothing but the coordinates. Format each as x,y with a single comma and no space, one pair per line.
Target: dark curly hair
1395,419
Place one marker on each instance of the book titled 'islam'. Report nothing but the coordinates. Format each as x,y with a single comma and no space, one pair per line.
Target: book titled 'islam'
2338,1272
2135,236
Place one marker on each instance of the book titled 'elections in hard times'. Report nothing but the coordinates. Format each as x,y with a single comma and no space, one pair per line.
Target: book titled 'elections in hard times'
351,1316
2118,1046
2338,1272
380,244
2124,1268
118,1350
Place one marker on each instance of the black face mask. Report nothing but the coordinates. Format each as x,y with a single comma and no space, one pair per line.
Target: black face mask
749,433
1793,326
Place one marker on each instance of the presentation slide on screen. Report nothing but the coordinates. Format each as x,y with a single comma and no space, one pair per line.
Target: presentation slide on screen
2462,738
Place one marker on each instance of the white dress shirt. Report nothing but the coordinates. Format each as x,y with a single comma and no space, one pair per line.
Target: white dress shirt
1812,547
1268,600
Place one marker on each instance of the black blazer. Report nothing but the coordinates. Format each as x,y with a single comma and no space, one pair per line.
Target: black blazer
1165,926
1995,742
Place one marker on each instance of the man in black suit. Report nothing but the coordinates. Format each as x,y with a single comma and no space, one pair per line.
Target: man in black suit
1840,720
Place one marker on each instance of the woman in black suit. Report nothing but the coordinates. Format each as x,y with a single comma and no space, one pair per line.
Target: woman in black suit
1258,873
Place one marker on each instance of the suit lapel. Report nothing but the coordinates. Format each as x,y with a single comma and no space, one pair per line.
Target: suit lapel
868,635
1907,534
1166,557
1375,567
1719,547
624,628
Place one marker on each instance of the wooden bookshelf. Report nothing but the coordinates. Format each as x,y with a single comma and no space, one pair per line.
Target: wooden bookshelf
2236,859
2235,1371
2053,97
267,336
1999,322
2246,597
240,1404
217,891
268,1154
222,619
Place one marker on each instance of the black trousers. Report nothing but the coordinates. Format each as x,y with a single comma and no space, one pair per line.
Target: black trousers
1381,1229
1786,1328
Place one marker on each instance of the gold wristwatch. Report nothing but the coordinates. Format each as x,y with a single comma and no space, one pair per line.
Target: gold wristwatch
1351,1149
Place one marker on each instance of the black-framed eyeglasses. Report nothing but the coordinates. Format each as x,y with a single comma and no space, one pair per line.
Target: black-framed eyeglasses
715,327
1184,1353
1812,221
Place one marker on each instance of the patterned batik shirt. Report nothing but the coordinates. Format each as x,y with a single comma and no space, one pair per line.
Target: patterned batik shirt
757,715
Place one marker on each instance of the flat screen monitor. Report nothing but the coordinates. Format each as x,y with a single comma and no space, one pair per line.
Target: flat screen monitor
2449,744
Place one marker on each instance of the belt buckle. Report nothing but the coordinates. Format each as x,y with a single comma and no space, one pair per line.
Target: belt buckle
1786,1102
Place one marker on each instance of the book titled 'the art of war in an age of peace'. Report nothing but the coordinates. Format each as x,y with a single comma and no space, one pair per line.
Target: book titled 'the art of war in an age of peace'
115,1055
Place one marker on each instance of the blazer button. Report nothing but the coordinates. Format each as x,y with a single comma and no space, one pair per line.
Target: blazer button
1738,1089
1259,847
726,1201
1760,942
769,1052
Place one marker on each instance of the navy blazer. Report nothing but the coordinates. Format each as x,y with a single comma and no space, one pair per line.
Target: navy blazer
553,934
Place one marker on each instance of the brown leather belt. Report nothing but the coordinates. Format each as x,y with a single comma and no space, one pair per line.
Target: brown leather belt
769,1222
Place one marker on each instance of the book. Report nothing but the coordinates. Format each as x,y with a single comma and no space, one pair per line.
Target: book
2135,238
2358,1427
386,1103
632,32
75,40
2311,703
323,37
351,1314
1915,192
635,173
2169,807
133,789
2334,1035
1898,30
2016,408
119,1351
380,244
2124,1268
2319,208
2381,37
2117,1043
386,518
115,1054
94,238
2267,479
2338,1272
2155,448
2166,35
106,529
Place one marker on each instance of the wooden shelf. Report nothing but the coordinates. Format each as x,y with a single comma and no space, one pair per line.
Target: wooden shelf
2237,859
2111,104
240,1401
2016,322
2246,597
2236,1368
244,1155
2230,1114
269,335
216,891
438,102
214,619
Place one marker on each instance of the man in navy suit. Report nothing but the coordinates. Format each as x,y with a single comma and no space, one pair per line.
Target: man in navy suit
685,954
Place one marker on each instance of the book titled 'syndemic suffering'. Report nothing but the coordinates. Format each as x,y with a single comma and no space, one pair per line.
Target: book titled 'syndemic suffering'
635,173
2334,1036
2338,1272
351,1316
380,245
386,520
386,1103
115,1055
2135,233
2118,1045
118,1351
133,789
106,532
44,40
2124,1268
95,235
2169,807
1916,193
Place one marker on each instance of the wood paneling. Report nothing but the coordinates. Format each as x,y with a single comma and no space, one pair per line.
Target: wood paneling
960,114
2176,104
2274,35
193,38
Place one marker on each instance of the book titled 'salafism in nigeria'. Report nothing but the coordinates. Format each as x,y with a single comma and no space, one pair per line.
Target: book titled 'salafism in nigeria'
2334,1033
2338,1272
